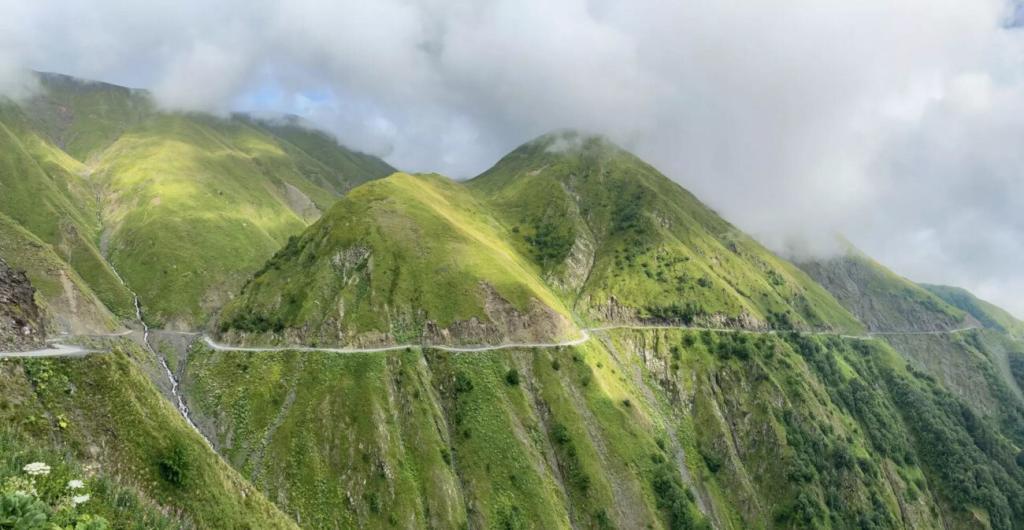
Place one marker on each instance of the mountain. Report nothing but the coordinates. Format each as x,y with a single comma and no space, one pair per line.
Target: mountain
176,208
624,243
635,429
101,420
579,343
406,259
639,426
984,312
45,196
919,323
880,298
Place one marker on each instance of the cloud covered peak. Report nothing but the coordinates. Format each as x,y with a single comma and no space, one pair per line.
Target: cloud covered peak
894,122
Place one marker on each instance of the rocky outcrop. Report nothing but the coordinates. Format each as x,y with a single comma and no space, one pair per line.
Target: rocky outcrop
21,321
882,300
614,312
503,324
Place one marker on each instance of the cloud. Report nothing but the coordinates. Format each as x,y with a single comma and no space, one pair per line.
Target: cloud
892,121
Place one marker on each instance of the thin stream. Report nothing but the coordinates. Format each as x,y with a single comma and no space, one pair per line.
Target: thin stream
179,401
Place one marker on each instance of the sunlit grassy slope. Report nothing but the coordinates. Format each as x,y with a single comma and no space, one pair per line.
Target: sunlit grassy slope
151,469
626,243
642,429
68,301
337,169
185,206
402,259
43,192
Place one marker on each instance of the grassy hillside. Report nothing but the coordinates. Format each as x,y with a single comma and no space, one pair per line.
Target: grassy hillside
84,117
403,259
67,301
989,315
185,206
641,429
337,169
189,214
145,467
881,299
44,194
626,243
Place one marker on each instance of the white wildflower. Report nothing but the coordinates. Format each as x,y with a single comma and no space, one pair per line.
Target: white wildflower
79,499
36,469
75,484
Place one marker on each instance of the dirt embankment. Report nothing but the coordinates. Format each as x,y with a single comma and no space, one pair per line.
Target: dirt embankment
21,321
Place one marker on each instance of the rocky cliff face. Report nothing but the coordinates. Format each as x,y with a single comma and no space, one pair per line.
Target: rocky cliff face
881,299
21,322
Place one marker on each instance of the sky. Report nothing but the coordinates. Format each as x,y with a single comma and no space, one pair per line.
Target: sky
897,123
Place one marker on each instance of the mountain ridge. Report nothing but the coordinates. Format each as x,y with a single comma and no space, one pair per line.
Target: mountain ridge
109,180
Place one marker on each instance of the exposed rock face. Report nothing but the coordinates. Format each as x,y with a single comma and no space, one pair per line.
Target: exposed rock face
614,312
504,324
21,322
883,301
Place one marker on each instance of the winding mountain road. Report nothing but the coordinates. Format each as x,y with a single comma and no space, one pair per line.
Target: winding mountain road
64,350
54,350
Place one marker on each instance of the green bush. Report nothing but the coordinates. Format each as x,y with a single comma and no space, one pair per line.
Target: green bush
673,498
176,465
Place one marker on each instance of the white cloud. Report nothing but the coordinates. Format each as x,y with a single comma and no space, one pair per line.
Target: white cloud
882,119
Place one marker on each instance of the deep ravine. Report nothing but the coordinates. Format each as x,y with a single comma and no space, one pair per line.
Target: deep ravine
179,401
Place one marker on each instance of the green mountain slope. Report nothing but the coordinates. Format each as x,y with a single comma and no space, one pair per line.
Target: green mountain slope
189,212
84,117
660,428
185,206
977,365
403,259
44,194
66,300
145,467
989,315
640,429
625,243
881,299
340,169
631,429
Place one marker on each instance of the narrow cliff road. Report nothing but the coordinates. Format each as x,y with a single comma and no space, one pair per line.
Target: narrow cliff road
54,350
59,350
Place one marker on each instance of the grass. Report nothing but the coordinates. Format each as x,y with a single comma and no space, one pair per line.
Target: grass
58,285
883,300
652,245
988,314
103,411
186,206
408,249
772,431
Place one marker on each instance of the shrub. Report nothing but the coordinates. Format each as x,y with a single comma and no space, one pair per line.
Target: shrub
512,377
176,465
462,383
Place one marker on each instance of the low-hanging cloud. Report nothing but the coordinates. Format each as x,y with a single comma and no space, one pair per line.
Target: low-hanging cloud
896,123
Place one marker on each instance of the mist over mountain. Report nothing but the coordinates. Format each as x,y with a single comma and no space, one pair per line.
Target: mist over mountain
892,124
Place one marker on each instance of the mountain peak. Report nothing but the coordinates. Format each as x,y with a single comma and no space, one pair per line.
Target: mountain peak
571,140
629,244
